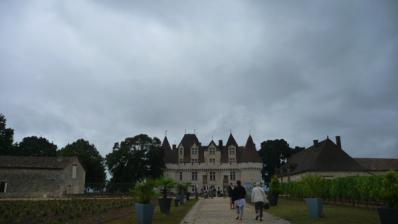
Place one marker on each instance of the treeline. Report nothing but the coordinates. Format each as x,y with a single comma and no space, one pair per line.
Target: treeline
130,160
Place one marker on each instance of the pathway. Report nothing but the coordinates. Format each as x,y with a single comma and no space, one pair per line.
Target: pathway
217,211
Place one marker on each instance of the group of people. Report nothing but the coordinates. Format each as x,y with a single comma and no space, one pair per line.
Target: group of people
237,195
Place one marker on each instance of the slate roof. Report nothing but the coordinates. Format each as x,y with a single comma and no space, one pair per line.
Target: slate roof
231,141
378,164
165,144
246,153
326,156
30,162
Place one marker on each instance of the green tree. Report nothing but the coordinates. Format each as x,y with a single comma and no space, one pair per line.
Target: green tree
133,160
36,146
91,160
6,137
274,154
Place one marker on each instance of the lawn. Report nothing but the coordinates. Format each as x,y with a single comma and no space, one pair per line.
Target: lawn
127,215
296,212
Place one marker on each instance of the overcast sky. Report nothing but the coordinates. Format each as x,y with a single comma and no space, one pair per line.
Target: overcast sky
298,70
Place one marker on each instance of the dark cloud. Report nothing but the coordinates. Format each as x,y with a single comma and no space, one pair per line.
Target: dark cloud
103,71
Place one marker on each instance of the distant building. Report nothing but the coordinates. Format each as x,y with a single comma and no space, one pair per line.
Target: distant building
22,176
212,166
378,166
326,159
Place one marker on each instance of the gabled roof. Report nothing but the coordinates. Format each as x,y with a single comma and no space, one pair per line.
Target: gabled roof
166,144
325,156
212,142
378,164
249,152
36,162
231,141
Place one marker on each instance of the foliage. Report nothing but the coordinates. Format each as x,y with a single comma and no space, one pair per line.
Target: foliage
144,191
6,137
56,211
36,146
274,153
134,159
91,160
313,186
275,186
182,188
355,189
166,184
390,189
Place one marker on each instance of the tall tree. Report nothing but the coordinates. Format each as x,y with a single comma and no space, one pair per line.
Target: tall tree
6,137
274,154
36,146
91,160
133,159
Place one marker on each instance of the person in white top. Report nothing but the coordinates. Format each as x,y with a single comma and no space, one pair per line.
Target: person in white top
259,198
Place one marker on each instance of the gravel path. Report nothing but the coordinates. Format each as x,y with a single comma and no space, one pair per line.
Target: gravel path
217,211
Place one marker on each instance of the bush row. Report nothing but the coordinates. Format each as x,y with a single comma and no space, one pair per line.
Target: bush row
55,211
363,189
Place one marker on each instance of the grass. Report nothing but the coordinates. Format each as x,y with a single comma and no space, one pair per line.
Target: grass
296,212
175,216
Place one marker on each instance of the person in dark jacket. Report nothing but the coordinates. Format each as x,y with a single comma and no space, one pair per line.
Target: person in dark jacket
239,194
230,194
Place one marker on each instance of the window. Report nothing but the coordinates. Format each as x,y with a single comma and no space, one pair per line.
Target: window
74,171
181,151
231,152
194,176
3,187
194,160
212,151
232,175
181,160
212,160
212,176
231,159
180,175
194,151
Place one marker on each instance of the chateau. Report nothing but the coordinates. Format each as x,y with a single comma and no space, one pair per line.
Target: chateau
212,166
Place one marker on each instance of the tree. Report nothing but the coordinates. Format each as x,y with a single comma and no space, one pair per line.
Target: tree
90,159
6,137
36,146
133,160
274,154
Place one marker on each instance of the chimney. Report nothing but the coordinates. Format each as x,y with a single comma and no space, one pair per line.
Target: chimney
174,146
220,143
316,143
338,142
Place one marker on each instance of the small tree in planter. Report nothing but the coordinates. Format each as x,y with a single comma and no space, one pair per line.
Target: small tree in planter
181,189
313,187
143,193
389,214
165,185
274,191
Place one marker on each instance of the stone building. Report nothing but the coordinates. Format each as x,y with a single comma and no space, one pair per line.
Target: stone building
213,165
325,158
22,176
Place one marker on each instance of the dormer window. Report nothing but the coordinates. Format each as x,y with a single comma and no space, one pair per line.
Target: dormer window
181,151
194,151
212,151
231,151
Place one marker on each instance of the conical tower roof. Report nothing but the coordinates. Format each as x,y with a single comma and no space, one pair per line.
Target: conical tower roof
231,141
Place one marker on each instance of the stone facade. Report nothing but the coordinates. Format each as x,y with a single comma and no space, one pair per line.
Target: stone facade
40,176
214,165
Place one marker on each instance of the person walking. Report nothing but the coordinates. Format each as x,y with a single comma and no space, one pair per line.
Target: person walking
259,199
239,194
230,195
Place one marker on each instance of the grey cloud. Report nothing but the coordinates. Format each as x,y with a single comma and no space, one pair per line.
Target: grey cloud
105,70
